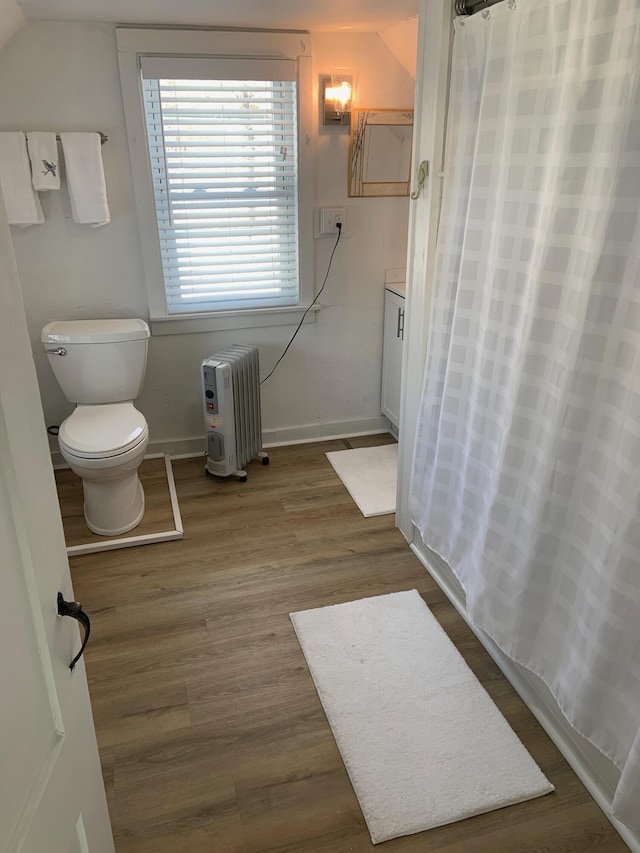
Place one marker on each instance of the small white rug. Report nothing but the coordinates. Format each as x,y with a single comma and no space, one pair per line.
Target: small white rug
369,473
422,741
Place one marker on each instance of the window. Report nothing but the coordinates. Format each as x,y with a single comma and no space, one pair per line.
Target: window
222,198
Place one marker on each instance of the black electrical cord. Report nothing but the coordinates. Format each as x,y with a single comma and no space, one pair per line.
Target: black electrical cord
339,227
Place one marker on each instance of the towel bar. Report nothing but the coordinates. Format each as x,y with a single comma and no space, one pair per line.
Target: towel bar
103,137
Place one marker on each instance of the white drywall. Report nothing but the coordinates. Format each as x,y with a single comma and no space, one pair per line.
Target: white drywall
402,41
69,80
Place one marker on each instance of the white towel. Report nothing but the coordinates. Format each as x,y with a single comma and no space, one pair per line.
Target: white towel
85,178
43,153
21,201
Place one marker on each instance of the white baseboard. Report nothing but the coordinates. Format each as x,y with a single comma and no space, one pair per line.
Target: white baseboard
280,437
175,447
595,771
196,446
327,430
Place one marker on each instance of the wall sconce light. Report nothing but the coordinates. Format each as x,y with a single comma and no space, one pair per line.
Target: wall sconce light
339,96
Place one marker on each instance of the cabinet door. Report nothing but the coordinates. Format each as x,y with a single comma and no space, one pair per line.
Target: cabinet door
392,355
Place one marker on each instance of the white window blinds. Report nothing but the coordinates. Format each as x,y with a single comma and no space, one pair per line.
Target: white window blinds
223,152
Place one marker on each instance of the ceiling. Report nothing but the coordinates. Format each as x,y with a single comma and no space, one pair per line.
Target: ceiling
315,15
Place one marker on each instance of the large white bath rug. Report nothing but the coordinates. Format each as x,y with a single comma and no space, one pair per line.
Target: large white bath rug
369,474
422,741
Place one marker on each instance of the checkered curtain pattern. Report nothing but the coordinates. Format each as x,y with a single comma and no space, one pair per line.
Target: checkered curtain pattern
526,471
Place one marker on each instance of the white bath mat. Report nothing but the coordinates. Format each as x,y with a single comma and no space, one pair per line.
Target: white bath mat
369,473
422,741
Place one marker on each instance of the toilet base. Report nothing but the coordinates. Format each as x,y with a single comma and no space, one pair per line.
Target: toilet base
113,507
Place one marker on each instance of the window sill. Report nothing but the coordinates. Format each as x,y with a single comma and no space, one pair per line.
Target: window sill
181,324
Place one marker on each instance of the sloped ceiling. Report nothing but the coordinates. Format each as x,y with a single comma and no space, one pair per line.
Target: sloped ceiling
402,41
318,15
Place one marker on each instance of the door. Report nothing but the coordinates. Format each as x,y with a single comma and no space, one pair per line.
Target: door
393,337
435,25
52,798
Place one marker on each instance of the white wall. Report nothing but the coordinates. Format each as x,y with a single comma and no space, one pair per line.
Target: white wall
402,41
64,76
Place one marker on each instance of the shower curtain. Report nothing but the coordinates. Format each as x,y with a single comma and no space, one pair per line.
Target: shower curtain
526,470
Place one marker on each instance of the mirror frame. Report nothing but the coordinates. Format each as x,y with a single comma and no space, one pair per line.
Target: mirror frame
361,119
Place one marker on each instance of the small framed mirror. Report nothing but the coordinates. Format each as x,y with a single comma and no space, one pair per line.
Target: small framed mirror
380,152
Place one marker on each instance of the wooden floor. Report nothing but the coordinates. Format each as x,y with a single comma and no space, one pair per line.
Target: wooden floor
211,734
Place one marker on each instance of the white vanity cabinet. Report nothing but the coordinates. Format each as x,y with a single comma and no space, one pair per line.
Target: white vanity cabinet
392,352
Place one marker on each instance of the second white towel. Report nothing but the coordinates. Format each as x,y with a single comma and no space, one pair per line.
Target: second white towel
85,178
43,153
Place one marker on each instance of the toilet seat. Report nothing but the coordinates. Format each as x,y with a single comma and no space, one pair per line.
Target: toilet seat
103,431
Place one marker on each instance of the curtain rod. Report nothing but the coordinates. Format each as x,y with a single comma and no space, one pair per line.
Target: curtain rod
103,137
471,7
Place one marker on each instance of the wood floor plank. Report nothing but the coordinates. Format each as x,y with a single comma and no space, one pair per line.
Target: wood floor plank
211,733
149,818
132,715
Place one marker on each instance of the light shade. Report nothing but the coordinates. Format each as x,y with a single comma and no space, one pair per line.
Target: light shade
339,96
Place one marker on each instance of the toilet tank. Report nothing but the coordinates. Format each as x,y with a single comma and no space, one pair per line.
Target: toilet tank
97,361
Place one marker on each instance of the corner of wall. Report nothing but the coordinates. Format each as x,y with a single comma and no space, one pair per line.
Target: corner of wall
11,20
402,40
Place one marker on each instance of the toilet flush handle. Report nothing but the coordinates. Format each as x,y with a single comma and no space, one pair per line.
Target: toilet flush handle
57,351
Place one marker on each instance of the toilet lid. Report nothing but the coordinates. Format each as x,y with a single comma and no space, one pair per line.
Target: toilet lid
100,431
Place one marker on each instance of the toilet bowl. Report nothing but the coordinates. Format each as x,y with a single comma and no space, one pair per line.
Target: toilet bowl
99,365
105,445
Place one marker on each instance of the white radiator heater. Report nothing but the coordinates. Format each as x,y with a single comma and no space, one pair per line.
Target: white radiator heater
231,401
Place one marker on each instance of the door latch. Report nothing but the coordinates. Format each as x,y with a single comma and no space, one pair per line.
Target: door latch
75,611
423,174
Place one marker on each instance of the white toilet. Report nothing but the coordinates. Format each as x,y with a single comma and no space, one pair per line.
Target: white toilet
100,366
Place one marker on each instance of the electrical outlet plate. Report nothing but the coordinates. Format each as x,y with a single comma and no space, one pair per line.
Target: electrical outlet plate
328,219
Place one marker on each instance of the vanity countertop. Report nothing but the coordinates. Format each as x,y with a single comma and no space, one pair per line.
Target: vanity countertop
397,287
394,280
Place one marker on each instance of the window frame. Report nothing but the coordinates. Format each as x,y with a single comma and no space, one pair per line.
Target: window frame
132,44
